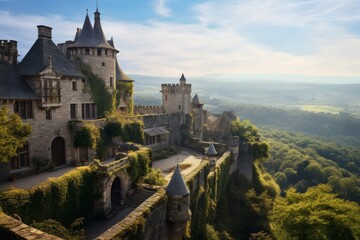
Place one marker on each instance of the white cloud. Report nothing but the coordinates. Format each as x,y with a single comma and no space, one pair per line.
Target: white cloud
217,44
161,9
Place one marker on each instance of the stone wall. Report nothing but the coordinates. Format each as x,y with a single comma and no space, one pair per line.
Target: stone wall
11,228
145,109
148,221
171,122
200,146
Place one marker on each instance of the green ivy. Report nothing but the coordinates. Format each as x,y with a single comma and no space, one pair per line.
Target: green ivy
64,199
87,136
125,90
139,164
104,100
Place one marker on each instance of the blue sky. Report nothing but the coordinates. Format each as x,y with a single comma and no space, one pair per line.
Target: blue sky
298,40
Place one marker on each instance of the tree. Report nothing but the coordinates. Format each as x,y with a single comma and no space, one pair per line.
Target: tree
13,133
245,130
315,214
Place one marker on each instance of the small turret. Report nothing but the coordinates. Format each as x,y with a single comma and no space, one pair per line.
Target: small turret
178,206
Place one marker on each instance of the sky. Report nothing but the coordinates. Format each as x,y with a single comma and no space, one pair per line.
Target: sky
295,40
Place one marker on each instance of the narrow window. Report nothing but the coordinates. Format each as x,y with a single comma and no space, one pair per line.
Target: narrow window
165,97
23,109
99,52
179,107
74,86
48,114
103,64
72,111
179,208
111,82
106,52
87,51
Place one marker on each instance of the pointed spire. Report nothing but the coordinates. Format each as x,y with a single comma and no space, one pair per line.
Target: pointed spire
177,186
196,100
182,77
99,36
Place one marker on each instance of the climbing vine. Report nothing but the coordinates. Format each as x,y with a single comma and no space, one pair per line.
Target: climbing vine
87,136
125,90
104,100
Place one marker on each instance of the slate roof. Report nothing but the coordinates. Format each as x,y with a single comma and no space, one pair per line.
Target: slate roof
156,131
91,36
182,77
13,85
120,75
177,186
38,58
211,150
196,100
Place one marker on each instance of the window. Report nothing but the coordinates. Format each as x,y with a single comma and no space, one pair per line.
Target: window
165,97
179,107
88,111
103,64
111,82
48,114
99,52
106,52
74,86
72,111
87,51
22,158
51,91
24,109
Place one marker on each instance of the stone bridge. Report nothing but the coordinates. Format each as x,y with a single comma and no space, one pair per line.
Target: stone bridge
113,184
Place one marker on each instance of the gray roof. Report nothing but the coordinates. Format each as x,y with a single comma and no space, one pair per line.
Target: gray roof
13,85
38,58
211,150
177,186
120,75
91,36
196,100
156,131
182,77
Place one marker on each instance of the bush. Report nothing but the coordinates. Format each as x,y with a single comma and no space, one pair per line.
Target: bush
155,177
55,228
87,136
65,198
164,153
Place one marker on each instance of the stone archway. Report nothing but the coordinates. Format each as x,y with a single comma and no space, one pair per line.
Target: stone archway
116,193
58,151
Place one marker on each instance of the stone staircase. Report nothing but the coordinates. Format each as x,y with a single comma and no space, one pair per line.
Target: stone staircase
138,197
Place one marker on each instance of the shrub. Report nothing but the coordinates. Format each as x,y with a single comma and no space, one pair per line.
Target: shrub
155,177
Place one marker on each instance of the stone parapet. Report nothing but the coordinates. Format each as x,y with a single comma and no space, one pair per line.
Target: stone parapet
146,109
11,228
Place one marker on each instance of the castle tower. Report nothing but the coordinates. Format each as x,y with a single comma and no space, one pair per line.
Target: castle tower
198,117
176,97
91,47
178,204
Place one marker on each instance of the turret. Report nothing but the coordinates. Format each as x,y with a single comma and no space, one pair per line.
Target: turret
176,97
198,117
178,206
8,51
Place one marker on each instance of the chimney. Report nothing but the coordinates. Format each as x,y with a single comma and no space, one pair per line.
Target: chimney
8,51
44,31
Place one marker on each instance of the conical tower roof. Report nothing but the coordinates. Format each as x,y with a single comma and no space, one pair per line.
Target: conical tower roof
177,186
92,37
182,78
211,150
196,100
99,37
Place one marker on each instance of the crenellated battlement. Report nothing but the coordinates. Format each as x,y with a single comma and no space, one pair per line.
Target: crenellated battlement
148,109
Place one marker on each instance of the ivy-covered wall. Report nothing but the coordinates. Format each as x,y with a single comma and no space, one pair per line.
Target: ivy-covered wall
206,186
64,199
125,91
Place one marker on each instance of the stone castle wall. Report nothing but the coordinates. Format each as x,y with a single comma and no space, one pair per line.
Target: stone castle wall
176,98
146,109
171,122
11,228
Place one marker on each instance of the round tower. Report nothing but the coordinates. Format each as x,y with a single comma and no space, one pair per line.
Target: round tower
91,47
198,117
178,206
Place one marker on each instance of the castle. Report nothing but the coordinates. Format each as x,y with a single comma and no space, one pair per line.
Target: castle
48,90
